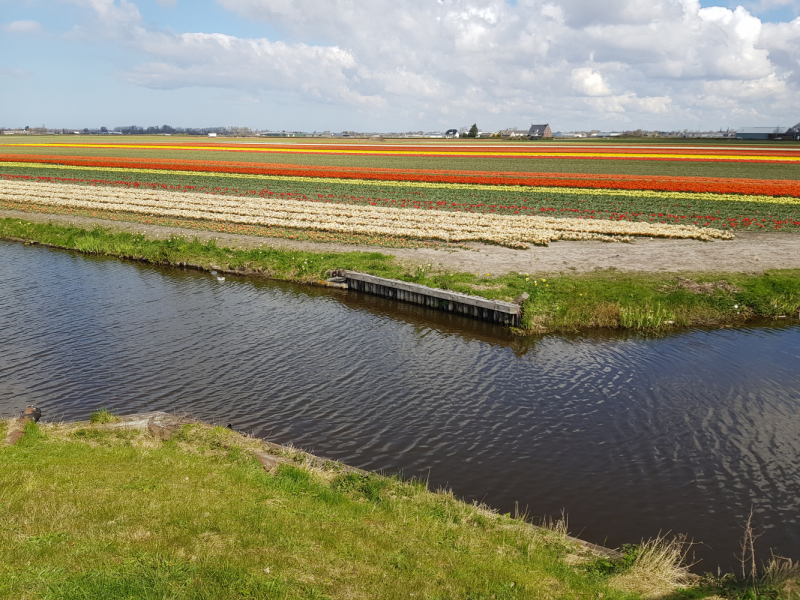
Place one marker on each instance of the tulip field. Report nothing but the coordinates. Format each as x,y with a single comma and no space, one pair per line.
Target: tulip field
511,194
447,226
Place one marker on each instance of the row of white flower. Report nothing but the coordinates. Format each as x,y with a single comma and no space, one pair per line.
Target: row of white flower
514,231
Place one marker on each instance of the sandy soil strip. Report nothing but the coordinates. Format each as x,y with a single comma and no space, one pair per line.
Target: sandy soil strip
750,252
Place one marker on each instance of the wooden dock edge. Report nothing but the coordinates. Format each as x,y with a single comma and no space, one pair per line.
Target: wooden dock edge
476,307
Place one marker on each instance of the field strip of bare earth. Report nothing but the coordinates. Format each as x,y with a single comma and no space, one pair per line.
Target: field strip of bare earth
506,230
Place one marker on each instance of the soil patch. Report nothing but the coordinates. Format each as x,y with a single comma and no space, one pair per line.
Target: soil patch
708,287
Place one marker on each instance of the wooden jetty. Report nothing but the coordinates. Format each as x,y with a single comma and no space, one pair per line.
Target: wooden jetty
494,311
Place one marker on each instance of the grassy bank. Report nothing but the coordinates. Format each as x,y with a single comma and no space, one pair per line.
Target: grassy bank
91,512
607,299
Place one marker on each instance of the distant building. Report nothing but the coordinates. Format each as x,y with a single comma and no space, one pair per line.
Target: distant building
281,134
537,132
451,133
606,134
764,133
212,135
512,132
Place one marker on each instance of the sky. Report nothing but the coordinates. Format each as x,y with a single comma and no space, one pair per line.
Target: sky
386,65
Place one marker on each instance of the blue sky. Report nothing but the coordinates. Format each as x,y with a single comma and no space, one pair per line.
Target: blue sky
378,65
780,11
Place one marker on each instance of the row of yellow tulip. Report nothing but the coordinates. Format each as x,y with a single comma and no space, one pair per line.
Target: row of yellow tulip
626,193
626,153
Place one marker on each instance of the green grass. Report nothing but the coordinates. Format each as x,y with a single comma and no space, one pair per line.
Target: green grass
88,512
608,299
102,416
92,513
270,262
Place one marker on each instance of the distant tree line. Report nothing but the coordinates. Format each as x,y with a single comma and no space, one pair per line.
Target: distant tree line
167,129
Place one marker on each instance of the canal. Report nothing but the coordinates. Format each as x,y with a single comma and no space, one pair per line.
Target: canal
629,434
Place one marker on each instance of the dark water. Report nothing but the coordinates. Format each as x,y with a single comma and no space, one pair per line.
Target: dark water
630,435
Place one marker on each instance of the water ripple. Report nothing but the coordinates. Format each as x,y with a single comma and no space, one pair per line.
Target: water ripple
630,434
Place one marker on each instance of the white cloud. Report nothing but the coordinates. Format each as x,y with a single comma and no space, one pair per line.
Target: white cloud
782,41
590,82
554,12
25,27
768,92
109,20
216,60
112,13
617,61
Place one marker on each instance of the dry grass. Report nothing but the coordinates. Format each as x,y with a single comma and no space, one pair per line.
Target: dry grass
558,526
606,314
708,287
659,568
783,575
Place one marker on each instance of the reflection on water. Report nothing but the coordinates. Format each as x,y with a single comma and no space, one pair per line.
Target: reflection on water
630,435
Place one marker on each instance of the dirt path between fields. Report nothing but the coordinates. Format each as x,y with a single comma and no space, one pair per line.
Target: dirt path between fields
750,252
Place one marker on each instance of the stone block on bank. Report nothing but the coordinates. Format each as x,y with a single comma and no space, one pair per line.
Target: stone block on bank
268,461
31,413
162,430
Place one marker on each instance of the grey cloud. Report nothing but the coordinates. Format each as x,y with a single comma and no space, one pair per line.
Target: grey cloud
782,41
580,13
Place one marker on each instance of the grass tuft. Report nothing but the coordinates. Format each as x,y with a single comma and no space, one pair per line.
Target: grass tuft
33,434
783,575
658,569
559,526
786,304
646,317
103,416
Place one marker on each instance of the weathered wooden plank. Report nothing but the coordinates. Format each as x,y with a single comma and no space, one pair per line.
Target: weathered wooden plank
421,293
